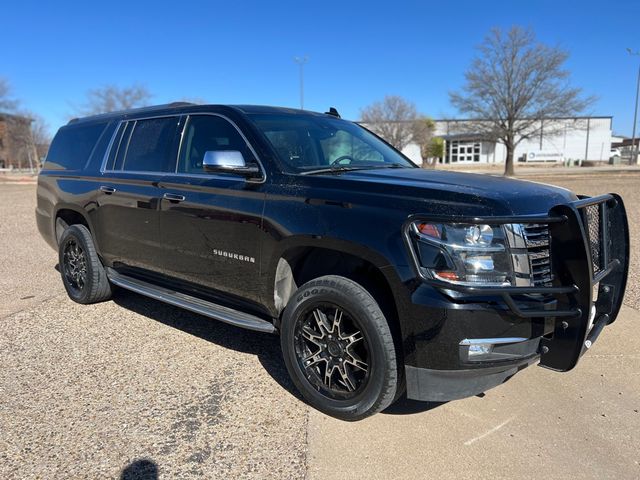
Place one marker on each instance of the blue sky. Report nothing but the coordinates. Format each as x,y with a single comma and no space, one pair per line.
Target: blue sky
242,52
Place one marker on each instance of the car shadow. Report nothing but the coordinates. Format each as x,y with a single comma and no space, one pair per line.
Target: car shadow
405,406
265,347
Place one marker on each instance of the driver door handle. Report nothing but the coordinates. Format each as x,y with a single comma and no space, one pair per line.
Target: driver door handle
173,197
107,190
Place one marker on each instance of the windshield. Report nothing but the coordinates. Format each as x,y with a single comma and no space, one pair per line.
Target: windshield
309,143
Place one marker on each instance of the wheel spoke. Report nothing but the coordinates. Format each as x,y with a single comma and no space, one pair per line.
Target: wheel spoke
347,377
309,334
322,321
353,338
328,374
354,360
313,359
337,321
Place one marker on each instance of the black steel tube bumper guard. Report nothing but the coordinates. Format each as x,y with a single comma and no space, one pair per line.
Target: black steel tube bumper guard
589,248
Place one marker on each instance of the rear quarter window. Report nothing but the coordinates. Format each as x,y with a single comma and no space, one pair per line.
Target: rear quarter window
72,146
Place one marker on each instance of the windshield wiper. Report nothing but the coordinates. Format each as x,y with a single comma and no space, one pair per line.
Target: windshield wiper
347,168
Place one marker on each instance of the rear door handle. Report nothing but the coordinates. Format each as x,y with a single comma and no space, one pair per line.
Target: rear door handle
173,197
107,190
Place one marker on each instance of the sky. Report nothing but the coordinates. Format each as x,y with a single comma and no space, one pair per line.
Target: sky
242,52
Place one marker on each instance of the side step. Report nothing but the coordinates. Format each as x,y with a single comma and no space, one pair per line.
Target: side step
197,305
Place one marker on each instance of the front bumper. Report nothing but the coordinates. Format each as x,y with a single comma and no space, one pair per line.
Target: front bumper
590,255
431,385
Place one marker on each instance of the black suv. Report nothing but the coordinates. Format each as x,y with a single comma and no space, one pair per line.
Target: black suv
379,276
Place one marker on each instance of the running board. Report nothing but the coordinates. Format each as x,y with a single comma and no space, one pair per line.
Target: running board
193,304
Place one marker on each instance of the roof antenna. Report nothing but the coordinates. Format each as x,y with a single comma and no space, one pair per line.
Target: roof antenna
333,111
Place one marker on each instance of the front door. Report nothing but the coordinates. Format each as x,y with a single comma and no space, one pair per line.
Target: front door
211,224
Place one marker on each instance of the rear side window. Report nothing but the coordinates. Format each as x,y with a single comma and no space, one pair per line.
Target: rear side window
73,145
152,146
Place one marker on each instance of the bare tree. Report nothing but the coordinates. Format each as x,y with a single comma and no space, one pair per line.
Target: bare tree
40,135
111,98
394,119
513,86
7,102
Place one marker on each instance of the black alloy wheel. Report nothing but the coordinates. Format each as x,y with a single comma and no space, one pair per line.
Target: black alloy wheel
82,272
338,348
74,266
332,350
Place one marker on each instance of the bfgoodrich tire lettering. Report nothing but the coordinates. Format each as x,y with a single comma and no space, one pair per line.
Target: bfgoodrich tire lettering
338,348
82,271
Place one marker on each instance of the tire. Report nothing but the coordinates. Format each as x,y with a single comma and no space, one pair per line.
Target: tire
83,274
338,348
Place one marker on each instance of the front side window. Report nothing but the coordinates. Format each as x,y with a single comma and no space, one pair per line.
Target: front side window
209,133
305,143
151,148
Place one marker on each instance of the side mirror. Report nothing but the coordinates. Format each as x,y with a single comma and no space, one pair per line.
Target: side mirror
228,161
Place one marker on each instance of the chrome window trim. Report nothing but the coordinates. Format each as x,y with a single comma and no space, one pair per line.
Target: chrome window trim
110,146
104,170
126,151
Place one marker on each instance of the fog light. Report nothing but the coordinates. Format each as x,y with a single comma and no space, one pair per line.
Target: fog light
478,349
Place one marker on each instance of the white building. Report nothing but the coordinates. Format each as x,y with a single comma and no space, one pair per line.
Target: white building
568,139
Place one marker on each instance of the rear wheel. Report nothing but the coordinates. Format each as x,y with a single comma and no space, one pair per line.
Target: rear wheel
82,272
338,348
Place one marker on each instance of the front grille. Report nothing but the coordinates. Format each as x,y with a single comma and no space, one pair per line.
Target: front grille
537,240
591,217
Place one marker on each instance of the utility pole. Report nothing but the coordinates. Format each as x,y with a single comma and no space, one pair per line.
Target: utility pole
634,158
301,61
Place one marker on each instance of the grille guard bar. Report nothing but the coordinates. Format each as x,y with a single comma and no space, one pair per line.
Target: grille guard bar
572,252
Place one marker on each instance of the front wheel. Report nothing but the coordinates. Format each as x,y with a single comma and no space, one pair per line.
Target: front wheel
338,348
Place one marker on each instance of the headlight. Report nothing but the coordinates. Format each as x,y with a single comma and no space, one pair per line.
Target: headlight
464,254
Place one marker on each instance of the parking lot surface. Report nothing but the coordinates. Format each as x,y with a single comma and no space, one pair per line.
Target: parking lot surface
131,386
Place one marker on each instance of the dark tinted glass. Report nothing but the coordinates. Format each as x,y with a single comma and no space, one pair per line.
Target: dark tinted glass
72,146
305,143
209,132
152,147
97,156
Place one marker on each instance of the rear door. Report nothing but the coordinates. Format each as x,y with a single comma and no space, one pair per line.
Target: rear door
211,224
129,199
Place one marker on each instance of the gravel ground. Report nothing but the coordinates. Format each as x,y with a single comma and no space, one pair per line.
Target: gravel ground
129,387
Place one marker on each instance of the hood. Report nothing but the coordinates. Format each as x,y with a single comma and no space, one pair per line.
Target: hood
487,194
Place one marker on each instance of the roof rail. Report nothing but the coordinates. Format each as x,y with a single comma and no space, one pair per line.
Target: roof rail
133,110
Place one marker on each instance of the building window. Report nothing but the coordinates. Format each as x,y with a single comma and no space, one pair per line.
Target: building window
463,151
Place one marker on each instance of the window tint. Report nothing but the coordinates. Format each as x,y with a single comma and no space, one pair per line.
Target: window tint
305,143
152,146
344,146
72,146
209,132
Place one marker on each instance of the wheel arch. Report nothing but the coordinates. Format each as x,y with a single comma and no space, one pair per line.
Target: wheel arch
303,262
68,214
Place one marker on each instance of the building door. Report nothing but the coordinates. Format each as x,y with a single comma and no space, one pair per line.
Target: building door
463,151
